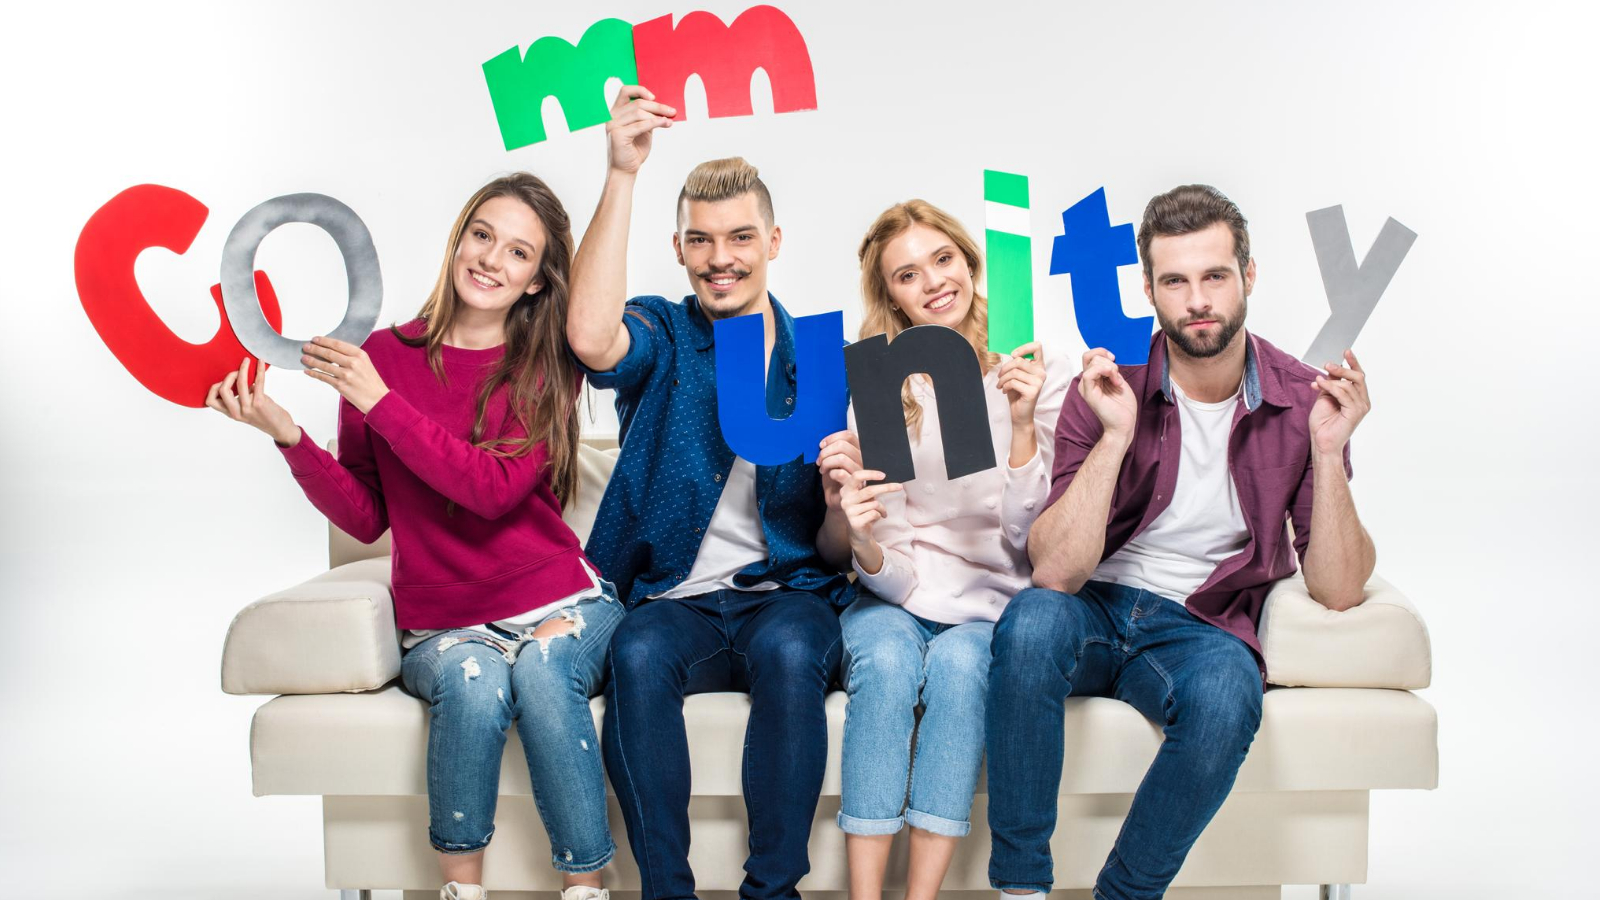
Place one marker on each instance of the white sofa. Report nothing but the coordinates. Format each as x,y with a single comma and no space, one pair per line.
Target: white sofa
1341,723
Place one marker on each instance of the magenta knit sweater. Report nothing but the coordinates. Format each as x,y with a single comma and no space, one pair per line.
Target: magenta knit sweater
504,551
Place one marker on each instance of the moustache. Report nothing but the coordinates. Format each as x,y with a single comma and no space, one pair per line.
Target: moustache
712,273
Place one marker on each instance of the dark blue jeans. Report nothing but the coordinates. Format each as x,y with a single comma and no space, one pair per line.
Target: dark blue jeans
782,648
1198,681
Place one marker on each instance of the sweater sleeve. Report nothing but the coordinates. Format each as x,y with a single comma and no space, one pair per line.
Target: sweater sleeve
479,481
345,490
1028,486
896,578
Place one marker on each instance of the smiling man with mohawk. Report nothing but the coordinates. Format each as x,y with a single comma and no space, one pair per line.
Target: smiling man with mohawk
718,559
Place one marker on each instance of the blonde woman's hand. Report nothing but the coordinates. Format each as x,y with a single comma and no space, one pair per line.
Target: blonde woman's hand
237,399
1021,379
860,503
346,367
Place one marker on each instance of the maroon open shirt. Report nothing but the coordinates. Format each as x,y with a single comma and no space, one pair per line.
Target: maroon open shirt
1269,457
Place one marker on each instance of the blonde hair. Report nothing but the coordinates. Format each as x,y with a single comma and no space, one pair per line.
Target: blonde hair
883,317
724,179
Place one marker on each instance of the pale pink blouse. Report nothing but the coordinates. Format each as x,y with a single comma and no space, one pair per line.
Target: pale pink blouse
957,551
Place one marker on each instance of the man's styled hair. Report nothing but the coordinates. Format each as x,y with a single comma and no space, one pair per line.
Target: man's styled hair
1189,208
724,179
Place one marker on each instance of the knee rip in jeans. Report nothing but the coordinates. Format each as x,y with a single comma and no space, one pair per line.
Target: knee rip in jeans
570,624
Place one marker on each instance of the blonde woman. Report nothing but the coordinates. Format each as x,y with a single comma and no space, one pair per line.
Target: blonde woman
938,561
458,431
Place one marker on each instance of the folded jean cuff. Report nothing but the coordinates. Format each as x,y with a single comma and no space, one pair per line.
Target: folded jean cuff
448,847
853,825
936,825
1018,885
567,867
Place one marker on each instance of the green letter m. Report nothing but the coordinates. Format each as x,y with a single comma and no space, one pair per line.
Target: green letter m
575,76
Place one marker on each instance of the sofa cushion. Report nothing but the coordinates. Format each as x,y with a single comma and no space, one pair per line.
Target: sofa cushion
332,633
290,642
1381,643
1311,739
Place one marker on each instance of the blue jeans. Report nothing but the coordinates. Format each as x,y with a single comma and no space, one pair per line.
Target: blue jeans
474,694
782,648
1198,681
895,662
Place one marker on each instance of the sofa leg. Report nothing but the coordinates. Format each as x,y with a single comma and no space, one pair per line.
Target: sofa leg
1334,892
348,894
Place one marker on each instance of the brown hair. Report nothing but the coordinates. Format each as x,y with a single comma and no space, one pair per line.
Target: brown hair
883,317
1189,208
724,179
536,369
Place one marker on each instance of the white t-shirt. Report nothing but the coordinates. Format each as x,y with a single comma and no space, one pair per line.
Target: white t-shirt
1203,525
733,539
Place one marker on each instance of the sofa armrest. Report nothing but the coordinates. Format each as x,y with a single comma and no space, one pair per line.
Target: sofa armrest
334,633
1383,643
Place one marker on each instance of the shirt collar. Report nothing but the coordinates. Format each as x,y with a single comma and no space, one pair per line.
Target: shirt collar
1255,388
783,324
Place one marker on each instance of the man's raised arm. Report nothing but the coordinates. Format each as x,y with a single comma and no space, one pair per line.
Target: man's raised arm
600,269
1066,541
1339,556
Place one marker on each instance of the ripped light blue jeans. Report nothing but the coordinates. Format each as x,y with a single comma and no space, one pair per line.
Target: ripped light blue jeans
894,664
474,695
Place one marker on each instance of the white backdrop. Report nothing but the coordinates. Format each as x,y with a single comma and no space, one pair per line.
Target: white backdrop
134,529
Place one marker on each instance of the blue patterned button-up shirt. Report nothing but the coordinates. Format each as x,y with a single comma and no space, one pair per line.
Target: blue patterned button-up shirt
674,462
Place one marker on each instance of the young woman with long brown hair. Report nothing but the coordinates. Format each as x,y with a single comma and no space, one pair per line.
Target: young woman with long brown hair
458,432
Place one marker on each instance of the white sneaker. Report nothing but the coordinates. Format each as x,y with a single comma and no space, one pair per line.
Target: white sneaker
457,891
584,892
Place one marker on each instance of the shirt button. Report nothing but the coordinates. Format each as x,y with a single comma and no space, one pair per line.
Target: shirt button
956,592
991,601
1016,529
789,400
989,503
1029,505
718,477
1158,496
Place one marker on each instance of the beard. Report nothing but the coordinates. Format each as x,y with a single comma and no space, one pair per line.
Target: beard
1203,346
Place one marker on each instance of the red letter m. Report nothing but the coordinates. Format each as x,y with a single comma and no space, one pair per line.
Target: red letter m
725,56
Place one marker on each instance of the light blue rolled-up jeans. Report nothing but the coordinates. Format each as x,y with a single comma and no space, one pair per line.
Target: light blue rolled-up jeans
896,663
474,695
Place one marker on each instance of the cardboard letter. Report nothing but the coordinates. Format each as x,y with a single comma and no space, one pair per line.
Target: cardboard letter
364,280
1353,289
1010,256
141,217
820,402
877,369
575,76
725,56
1090,250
